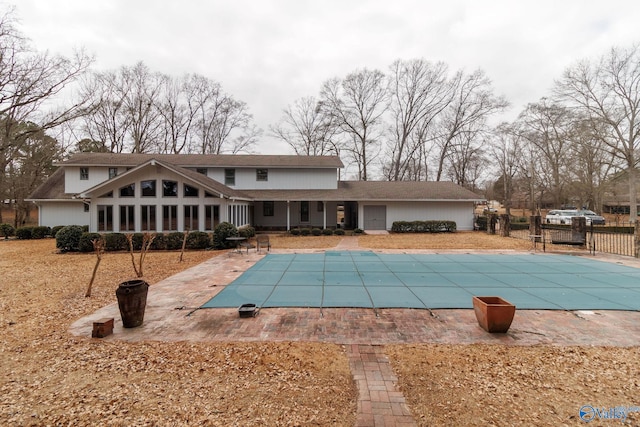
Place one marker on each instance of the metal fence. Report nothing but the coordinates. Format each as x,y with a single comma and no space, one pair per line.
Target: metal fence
613,240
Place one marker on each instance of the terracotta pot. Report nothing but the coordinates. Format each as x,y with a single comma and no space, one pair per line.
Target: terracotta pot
494,314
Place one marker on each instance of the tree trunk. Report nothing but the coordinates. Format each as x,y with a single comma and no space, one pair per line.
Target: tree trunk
633,196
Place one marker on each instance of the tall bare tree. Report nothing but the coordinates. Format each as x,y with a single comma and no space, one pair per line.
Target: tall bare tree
506,150
419,92
607,92
307,128
356,105
29,80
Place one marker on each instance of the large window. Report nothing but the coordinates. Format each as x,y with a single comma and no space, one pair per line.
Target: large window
170,218
229,177
268,208
191,217
127,222
211,217
84,174
148,218
128,190
262,174
105,218
190,191
169,188
148,188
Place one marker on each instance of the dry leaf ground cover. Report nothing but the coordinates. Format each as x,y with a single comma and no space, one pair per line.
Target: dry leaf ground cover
49,377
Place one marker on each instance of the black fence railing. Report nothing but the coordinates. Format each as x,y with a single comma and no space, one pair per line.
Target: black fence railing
608,239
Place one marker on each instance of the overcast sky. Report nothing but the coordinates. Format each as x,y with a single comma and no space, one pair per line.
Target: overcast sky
270,53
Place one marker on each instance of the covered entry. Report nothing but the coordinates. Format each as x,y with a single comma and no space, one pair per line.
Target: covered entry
375,217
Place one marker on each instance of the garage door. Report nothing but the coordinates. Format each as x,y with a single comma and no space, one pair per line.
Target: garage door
375,217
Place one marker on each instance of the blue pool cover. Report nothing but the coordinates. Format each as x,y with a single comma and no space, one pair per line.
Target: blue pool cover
374,280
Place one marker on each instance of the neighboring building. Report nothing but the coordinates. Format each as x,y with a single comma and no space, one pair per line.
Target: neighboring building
177,192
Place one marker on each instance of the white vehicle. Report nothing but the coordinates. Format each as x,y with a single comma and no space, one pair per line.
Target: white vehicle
560,216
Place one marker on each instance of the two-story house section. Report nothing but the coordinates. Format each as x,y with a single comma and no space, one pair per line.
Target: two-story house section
177,192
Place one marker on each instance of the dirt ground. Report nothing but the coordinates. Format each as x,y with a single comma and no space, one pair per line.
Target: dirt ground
48,377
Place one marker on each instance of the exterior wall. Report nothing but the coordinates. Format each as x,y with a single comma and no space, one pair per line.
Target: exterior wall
280,179
279,218
51,214
460,212
73,184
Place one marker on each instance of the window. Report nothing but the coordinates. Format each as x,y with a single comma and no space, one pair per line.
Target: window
86,207
262,174
84,174
203,171
320,207
169,188
191,217
148,218
107,195
268,208
128,191
211,216
170,218
148,188
229,177
113,172
105,218
127,222
190,191
304,211
207,194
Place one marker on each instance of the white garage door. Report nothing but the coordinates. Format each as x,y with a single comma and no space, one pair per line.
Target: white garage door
375,217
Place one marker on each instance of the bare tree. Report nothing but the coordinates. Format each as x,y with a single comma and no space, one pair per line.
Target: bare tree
29,80
419,92
607,93
307,128
506,148
473,102
356,105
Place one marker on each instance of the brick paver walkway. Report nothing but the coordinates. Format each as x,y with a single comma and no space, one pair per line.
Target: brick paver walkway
379,402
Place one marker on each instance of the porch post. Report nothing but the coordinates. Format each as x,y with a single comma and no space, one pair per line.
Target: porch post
324,214
288,216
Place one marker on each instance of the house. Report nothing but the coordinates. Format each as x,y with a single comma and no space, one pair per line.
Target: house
177,192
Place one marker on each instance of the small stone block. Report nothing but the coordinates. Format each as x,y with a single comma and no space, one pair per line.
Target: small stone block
102,328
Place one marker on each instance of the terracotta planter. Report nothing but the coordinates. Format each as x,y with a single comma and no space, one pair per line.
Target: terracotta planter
494,314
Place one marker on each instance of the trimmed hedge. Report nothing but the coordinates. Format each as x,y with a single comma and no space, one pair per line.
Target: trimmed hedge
68,238
433,226
173,241
24,233
220,234
339,232
40,232
7,230
327,232
86,244
115,242
198,240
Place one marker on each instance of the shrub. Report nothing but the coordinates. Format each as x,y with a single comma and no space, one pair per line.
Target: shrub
358,231
7,230
40,232
159,243
198,240
305,231
247,232
173,240
85,244
68,238
24,233
433,226
316,231
220,234
115,242
482,221
338,232
295,231
136,241
54,230
327,232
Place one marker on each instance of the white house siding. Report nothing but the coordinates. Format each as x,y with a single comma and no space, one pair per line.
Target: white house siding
460,212
279,219
280,179
239,213
73,184
52,214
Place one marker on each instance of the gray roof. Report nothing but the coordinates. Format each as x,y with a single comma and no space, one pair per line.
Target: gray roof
375,190
52,188
204,160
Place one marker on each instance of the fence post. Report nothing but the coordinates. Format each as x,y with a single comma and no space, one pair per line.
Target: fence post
505,225
579,229
535,227
491,226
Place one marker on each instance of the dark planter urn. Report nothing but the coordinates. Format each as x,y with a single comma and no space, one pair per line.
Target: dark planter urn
494,314
247,310
132,300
